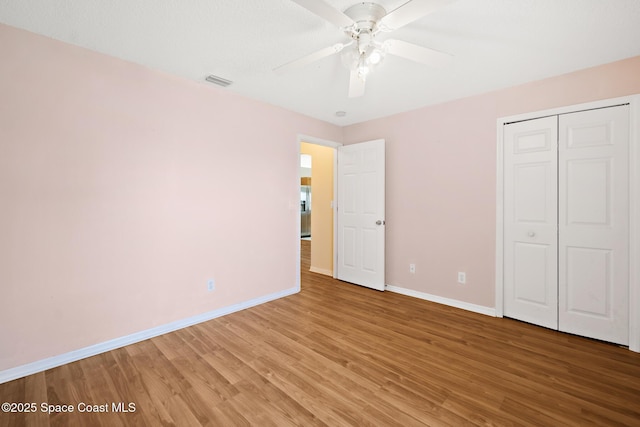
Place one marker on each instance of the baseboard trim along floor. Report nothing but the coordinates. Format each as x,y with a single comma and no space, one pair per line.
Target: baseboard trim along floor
321,271
442,300
73,356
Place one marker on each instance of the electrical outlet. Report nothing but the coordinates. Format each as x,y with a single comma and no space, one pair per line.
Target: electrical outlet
211,285
412,268
462,277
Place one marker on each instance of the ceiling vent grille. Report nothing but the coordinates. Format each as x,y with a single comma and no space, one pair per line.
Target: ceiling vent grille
218,80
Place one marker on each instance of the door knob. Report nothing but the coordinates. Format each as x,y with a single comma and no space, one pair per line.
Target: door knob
378,222
532,234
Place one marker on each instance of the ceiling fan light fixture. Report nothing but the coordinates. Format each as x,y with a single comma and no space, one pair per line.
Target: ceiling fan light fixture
363,70
361,23
375,56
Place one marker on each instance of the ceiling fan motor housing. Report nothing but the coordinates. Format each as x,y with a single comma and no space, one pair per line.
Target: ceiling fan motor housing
366,17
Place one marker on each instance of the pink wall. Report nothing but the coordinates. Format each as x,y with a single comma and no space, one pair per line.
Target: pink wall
123,190
441,178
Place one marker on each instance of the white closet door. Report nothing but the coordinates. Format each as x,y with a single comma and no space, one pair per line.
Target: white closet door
594,224
530,221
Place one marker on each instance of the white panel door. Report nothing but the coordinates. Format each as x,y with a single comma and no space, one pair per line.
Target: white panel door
361,214
594,224
530,221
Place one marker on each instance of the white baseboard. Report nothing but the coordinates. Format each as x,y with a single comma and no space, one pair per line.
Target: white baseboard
441,300
62,359
321,271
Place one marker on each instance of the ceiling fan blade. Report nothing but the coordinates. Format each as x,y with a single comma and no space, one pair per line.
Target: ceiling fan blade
356,85
306,60
417,53
327,12
410,12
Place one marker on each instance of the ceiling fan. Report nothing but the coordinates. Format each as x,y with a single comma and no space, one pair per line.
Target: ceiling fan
361,23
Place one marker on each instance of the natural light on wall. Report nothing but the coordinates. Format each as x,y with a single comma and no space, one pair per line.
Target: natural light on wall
305,161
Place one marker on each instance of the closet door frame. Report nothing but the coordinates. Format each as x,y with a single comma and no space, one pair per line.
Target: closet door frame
634,202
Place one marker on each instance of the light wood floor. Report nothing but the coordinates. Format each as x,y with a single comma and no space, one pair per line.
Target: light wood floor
338,354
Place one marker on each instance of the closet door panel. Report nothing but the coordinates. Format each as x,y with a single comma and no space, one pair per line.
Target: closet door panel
530,228
593,245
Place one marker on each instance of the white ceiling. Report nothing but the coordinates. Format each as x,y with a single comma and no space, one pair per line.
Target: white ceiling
495,43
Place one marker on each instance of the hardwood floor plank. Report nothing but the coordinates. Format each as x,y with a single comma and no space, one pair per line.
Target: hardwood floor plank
35,390
13,392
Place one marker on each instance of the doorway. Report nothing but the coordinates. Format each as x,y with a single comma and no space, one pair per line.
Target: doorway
316,205
358,202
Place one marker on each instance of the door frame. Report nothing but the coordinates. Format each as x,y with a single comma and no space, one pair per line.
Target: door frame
326,143
634,202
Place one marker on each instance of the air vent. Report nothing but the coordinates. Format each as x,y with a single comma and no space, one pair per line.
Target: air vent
218,80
